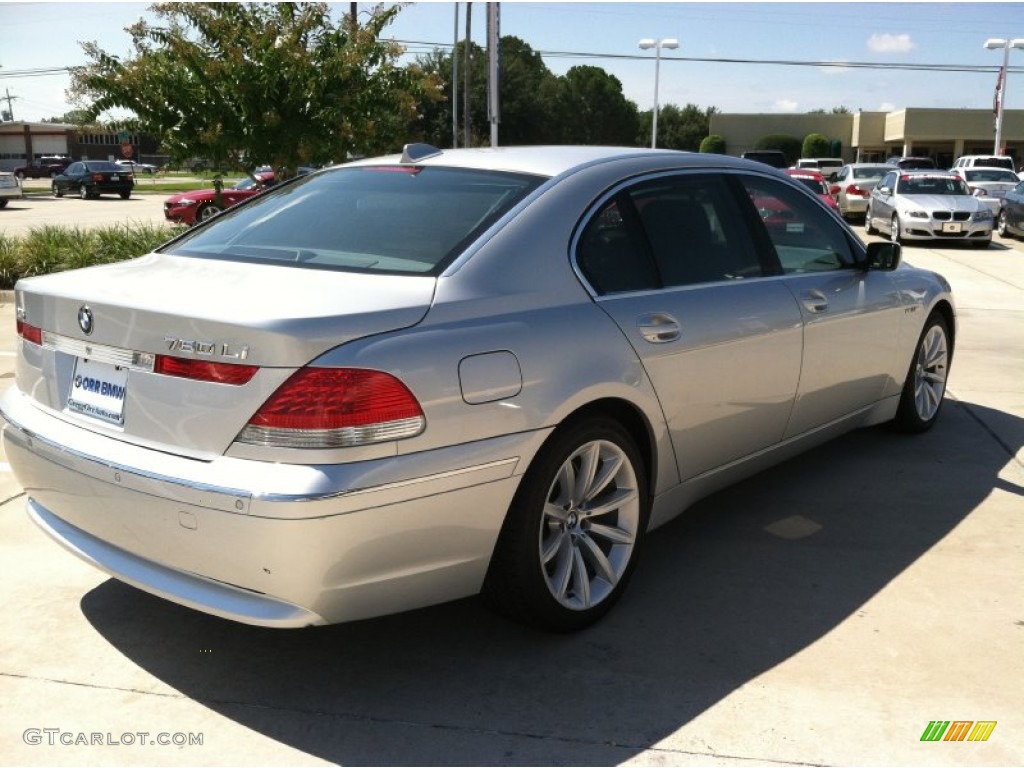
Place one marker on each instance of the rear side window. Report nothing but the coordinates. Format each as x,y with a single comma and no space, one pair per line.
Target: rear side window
397,219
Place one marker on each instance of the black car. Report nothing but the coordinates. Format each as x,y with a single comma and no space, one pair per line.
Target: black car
92,178
1011,213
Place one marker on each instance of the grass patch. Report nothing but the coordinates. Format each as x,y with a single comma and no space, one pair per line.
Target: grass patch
55,249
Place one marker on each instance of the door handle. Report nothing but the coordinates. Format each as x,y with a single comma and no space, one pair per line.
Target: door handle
659,327
815,302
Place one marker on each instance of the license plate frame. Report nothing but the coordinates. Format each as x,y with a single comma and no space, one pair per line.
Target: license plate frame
98,390
952,227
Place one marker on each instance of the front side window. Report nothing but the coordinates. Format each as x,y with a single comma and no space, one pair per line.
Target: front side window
806,237
395,219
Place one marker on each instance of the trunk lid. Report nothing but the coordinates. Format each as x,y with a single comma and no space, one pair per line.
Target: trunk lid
276,317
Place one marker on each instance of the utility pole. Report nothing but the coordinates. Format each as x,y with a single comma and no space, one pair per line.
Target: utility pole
467,137
493,68
455,81
10,109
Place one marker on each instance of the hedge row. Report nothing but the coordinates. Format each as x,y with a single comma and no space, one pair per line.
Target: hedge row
55,249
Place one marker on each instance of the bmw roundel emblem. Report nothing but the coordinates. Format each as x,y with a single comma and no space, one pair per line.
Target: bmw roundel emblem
85,319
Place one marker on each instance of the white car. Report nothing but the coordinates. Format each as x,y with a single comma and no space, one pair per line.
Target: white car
928,205
137,167
989,185
10,189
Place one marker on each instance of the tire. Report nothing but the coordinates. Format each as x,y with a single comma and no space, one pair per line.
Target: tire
1001,227
20,175
894,230
3,203
925,386
565,555
868,228
125,195
206,211
57,191
83,192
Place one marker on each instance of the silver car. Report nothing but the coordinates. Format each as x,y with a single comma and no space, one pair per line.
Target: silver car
10,188
415,378
989,185
928,205
852,187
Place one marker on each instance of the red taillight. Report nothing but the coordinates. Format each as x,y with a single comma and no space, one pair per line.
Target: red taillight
30,332
835,189
97,177
335,407
204,370
856,191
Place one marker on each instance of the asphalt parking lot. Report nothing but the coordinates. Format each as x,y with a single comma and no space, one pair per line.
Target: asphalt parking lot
822,613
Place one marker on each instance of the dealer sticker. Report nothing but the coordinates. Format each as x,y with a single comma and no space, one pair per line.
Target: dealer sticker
99,390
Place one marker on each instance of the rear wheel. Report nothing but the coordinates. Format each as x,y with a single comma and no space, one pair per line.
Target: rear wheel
125,195
572,535
925,386
3,203
1001,227
83,192
57,191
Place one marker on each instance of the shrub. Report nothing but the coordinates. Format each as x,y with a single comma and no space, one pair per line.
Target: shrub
789,145
713,144
816,145
55,249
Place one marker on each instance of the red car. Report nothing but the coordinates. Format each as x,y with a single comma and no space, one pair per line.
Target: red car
814,181
193,207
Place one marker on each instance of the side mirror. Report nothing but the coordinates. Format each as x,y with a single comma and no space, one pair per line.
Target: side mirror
883,256
883,190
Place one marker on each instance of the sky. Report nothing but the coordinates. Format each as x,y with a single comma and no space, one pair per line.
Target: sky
44,35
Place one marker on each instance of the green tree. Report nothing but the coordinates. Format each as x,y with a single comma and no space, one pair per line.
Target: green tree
257,83
678,128
591,109
815,145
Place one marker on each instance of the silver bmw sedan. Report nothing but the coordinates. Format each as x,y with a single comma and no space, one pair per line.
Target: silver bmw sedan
415,378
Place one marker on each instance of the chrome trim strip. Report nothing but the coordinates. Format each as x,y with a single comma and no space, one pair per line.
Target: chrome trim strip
123,358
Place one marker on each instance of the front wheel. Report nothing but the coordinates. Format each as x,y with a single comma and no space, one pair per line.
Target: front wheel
83,192
869,229
57,191
925,386
894,230
572,535
207,211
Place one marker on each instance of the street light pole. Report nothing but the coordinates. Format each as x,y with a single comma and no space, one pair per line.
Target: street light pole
994,44
646,44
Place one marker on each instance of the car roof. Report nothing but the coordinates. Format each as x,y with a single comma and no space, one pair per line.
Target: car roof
553,161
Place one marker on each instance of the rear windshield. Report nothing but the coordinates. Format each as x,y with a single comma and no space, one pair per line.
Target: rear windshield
396,219
991,174
871,172
102,165
994,162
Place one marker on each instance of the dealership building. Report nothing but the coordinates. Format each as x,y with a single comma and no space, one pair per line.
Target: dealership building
22,142
942,134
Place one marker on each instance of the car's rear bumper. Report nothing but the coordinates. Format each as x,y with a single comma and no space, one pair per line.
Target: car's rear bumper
274,545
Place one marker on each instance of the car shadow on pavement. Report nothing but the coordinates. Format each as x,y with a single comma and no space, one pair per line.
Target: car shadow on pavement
745,580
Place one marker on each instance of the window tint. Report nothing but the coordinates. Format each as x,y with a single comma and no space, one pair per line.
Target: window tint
670,231
806,237
398,219
695,229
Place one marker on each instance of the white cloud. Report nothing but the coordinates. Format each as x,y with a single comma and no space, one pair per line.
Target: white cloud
886,106
890,43
785,105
